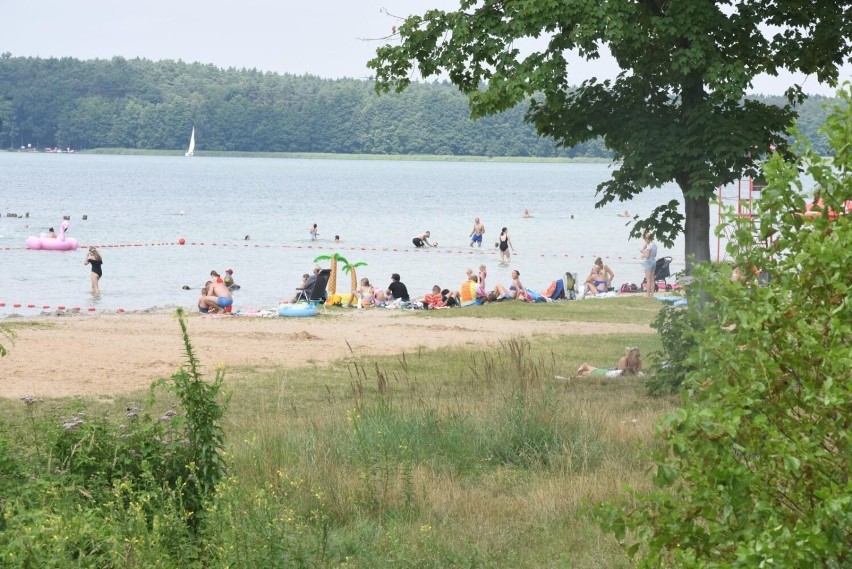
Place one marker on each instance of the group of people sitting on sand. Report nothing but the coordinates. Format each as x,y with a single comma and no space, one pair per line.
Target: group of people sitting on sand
472,291
216,294
600,278
367,295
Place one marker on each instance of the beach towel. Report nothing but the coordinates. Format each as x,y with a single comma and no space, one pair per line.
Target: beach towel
533,296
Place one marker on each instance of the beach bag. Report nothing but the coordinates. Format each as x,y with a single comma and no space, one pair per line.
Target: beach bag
627,287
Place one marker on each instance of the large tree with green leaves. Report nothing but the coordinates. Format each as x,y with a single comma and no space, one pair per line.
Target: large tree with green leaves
676,112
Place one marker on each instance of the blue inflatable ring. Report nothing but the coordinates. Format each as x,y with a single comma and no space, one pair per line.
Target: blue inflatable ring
296,310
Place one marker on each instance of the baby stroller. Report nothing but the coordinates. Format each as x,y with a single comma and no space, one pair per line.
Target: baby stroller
661,273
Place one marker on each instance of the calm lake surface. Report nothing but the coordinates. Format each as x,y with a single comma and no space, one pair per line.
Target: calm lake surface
137,207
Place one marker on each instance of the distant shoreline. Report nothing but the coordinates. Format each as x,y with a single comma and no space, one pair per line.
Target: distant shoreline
329,156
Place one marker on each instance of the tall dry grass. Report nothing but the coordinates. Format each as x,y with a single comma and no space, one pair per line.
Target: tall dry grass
483,451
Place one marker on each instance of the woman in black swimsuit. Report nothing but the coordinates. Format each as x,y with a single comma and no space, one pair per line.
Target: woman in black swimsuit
504,243
94,259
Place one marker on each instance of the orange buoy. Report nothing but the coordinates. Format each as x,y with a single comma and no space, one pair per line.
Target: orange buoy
182,241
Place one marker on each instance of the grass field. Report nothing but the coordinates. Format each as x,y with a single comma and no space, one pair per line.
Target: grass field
447,458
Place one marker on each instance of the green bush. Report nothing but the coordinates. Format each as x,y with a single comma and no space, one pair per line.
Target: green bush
678,328
756,466
102,491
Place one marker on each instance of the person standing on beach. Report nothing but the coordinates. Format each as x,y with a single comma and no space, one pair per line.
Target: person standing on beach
95,261
649,262
477,233
504,244
314,232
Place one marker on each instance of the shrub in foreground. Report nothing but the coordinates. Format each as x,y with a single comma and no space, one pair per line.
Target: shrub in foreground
104,491
756,466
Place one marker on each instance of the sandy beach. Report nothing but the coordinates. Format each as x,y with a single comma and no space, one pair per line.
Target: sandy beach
114,353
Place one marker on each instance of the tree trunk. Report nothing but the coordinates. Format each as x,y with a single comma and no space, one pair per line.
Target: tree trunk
332,281
696,231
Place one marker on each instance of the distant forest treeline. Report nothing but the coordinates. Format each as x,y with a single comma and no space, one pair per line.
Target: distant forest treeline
142,104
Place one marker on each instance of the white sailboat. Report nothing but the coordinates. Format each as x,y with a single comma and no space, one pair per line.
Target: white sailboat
191,150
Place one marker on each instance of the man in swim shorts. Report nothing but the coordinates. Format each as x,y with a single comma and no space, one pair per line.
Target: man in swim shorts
224,300
422,240
477,233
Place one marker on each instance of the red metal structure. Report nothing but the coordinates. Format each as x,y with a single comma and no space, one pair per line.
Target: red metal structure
744,193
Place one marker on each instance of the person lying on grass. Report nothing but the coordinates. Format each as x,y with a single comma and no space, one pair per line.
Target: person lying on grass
630,364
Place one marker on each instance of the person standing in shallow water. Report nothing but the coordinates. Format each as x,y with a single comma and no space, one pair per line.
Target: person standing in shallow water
95,261
504,244
477,233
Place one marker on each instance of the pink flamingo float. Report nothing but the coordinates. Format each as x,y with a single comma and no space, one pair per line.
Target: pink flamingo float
60,243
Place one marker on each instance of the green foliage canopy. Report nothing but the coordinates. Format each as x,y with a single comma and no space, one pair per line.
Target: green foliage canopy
755,471
676,112
142,104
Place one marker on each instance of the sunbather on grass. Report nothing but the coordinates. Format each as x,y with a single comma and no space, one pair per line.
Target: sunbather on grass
630,364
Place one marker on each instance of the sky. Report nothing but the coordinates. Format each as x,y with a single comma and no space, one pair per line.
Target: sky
330,39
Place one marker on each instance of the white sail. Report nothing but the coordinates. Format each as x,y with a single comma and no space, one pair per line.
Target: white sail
191,151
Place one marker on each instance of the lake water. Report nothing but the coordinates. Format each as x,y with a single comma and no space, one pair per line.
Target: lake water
137,207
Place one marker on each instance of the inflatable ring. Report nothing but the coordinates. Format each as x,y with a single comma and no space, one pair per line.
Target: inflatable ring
296,310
